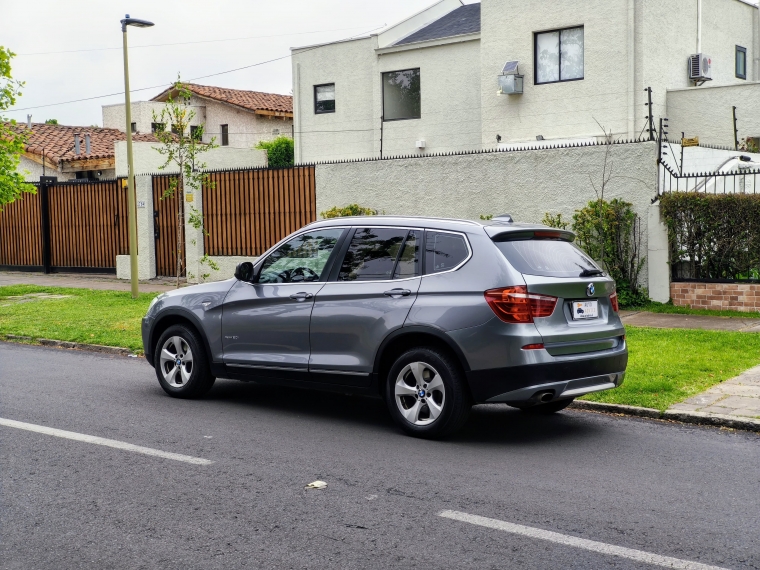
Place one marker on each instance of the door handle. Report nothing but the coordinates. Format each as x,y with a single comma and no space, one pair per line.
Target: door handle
398,293
301,296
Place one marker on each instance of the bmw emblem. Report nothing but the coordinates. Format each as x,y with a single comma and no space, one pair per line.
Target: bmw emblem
590,290
179,362
422,393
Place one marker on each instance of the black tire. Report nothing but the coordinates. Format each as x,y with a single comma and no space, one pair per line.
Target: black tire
193,378
454,400
550,408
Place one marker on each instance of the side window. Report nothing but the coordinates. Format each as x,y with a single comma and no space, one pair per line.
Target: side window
444,251
372,254
409,261
302,259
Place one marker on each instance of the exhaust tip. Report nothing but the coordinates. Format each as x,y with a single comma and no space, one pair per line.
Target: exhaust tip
546,397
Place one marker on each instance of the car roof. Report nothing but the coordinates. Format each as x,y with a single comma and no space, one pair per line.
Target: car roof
412,221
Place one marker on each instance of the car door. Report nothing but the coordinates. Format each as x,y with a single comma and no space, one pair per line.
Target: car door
265,322
369,295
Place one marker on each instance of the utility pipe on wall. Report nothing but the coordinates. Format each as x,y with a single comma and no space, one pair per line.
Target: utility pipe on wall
699,26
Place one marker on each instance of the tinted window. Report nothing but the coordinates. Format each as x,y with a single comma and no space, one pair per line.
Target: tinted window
372,254
301,259
409,261
324,98
444,251
401,95
550,258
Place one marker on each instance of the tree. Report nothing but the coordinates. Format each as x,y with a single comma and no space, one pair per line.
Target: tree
12,183
182,147
280,153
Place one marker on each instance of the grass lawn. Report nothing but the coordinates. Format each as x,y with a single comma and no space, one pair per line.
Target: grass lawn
666,366
109,318
672,309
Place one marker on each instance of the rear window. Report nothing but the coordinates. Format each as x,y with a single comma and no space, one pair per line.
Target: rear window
546,257
444,251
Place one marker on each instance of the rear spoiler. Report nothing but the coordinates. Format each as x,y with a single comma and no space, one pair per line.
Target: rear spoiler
501,233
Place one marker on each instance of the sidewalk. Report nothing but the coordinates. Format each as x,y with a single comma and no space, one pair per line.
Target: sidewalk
673,321
738,397
85,281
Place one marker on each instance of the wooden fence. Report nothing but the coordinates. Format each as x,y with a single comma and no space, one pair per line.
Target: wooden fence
165,212
247,212
68,226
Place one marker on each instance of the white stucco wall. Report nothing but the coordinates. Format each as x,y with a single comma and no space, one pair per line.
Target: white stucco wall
142,114
706,112
526,184
33,170
147,160
450,100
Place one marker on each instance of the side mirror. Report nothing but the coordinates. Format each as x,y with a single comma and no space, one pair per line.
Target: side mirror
244,271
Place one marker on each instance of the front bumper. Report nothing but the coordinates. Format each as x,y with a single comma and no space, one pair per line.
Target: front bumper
565,378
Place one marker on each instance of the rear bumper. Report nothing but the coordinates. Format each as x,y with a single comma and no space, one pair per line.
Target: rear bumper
567,379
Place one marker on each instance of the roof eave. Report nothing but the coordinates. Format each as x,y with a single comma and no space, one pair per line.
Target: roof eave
474,36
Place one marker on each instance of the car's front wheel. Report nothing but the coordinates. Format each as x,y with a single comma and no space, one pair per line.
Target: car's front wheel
426,393
181,364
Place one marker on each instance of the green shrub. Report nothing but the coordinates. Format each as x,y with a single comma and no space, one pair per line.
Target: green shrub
280,153
350,210
555,221
610,233
713,236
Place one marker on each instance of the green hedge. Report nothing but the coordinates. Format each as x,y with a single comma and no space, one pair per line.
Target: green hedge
713,236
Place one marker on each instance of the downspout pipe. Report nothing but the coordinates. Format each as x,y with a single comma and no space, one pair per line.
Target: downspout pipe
699,26
756,43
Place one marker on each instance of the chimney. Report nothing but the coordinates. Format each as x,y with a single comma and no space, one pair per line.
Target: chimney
28,121
87,147
76,143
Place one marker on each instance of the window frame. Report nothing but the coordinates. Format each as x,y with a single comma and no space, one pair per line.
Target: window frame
317,112
224,135
338,265
740,49
424,252
157,127
327,270
535,55
382,94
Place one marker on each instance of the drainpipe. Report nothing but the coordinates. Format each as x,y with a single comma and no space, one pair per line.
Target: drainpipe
699,26
631,69
756,44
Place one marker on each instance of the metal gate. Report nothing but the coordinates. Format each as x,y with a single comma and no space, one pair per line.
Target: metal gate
165,212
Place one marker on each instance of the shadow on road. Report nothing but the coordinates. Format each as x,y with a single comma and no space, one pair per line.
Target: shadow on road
488,424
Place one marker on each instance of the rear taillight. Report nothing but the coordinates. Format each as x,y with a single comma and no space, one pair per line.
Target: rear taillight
535,346
614,302
516,305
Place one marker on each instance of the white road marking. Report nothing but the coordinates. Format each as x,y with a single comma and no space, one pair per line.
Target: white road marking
593,546
103,441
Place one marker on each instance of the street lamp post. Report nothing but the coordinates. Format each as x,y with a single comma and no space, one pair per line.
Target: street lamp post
131,197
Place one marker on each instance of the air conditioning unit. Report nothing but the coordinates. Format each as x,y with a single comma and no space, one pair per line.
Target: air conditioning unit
700,67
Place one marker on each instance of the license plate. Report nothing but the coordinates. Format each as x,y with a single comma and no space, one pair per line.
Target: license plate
585,310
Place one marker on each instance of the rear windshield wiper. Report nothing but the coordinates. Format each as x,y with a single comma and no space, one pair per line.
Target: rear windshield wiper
591,272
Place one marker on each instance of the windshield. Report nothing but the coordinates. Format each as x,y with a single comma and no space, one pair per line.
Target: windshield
547,257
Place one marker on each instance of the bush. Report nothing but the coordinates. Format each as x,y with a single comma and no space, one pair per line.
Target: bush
610,232
350,210
713,236
280,153
555,221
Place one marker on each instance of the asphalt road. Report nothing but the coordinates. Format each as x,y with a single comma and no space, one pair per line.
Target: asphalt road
686,492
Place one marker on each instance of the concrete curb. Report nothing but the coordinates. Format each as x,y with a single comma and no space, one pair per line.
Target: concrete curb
698,418
117,350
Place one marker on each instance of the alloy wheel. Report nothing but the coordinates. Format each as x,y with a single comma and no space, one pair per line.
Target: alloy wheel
176,361
420,394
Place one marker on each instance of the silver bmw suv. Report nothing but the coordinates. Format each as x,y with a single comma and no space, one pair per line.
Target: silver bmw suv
433,315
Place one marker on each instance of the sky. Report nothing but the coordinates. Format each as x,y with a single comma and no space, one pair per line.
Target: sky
63,54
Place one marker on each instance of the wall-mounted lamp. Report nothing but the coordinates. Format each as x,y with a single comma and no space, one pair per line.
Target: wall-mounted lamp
539,137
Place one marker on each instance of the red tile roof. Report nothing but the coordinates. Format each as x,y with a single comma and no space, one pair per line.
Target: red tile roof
250,100
57,141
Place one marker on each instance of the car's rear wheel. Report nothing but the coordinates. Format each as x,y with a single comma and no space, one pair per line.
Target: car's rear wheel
550,408
181,363
426,393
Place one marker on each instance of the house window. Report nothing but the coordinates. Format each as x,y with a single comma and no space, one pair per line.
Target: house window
558,55
401,95
225,135
134,127
324,98
741,62
157,127
196,133
175,130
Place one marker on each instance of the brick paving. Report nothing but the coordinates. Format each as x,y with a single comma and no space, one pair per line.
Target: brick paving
673,321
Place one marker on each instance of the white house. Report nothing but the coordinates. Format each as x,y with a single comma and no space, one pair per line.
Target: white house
437,81
234,117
